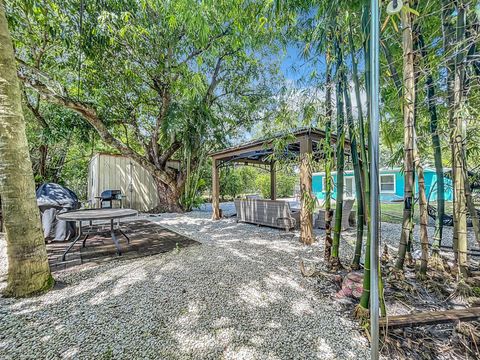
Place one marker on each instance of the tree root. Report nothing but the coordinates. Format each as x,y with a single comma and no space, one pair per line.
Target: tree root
355,267
409,261
362,314
395,274
435,262
420,276
335,264
385,259
463,292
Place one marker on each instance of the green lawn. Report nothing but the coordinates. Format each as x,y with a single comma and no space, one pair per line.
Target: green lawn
393,212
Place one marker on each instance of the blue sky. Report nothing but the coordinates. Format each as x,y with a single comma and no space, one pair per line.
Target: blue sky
296,68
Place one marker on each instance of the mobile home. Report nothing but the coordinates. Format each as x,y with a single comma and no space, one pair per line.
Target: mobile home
391,182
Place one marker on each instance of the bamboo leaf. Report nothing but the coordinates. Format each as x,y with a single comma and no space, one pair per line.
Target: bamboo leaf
413,11
384,25
394,24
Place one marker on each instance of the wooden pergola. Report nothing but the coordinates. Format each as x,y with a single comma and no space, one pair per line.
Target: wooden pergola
301,144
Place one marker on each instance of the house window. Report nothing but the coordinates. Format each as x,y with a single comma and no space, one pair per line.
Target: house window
387,183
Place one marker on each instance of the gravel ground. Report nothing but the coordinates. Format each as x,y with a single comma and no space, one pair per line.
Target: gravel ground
237,296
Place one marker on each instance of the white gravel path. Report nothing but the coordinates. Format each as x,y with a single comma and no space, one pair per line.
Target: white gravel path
239,295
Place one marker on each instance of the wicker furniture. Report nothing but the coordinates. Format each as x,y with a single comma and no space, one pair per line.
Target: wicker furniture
272,213
346,214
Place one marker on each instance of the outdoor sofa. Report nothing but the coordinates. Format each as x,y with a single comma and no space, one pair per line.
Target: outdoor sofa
272,213
346,216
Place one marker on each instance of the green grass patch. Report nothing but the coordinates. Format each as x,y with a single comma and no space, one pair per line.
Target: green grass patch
392,212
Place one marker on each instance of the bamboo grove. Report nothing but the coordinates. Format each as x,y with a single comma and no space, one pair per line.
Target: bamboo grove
429,91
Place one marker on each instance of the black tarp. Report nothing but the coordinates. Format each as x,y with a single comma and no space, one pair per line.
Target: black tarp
54,195
447,218
473,179
53,199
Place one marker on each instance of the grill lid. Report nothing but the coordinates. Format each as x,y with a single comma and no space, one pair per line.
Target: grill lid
110,194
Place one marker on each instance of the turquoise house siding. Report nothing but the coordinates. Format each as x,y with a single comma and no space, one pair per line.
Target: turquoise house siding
317,186
387,194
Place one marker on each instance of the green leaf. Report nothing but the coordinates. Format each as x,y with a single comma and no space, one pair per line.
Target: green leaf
172,22
413,11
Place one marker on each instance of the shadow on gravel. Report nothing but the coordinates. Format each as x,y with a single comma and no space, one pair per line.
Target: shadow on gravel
229,299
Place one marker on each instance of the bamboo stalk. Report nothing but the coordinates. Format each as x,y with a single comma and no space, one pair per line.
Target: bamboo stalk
409,123
340,154
437,149
357,173
328,159
365,298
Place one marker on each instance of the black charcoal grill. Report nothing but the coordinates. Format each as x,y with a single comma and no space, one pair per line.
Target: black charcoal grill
108,196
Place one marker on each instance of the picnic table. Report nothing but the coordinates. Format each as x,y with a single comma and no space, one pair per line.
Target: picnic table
90,215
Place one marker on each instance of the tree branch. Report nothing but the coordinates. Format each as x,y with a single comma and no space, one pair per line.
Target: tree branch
197,52
35,111
89,113
167,154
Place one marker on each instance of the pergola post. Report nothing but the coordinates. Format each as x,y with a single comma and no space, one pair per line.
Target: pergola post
273,181
306,198
215,191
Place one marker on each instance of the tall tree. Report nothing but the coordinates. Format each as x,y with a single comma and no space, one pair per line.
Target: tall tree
457,138
437,149
448,35
358,174
28,268
328,159
409,127
340,152
422,195
357,163
364,305
161,80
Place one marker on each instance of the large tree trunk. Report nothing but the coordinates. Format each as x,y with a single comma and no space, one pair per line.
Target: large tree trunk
409,123
28,269
168,198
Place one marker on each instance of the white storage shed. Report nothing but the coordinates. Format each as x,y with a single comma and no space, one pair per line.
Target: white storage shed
117,172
